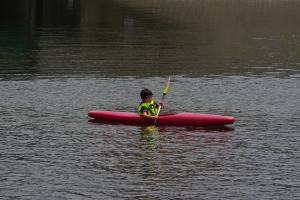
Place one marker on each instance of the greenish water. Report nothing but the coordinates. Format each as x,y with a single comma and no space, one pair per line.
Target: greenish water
60,59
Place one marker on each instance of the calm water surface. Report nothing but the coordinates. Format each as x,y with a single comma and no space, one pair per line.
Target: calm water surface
60,59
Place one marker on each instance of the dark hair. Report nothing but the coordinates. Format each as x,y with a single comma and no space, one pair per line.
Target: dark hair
145,92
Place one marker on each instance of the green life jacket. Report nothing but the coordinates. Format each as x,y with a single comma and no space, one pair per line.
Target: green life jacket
151,107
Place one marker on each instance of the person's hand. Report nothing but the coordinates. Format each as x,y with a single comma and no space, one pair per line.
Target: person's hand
162,105
161,102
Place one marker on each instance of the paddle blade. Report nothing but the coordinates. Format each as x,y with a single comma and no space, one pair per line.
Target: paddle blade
150,128
167,87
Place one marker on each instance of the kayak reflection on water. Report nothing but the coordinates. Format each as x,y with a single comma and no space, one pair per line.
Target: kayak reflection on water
202,136
163,128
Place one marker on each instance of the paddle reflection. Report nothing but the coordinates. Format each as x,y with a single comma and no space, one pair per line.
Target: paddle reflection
149,156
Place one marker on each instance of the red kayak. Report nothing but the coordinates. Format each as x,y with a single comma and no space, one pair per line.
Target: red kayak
171,119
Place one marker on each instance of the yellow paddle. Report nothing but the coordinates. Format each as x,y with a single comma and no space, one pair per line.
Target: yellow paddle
164,94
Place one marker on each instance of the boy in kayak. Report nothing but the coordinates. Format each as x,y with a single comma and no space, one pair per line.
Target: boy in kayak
148,108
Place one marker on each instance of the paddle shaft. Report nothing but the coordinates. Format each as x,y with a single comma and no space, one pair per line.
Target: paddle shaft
159,107
164,94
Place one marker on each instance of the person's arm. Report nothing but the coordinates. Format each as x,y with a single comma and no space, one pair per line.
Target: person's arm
145,114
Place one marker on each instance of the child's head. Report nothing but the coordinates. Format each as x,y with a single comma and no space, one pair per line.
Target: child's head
146,95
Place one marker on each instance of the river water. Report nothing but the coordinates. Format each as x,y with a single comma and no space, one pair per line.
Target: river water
61,58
